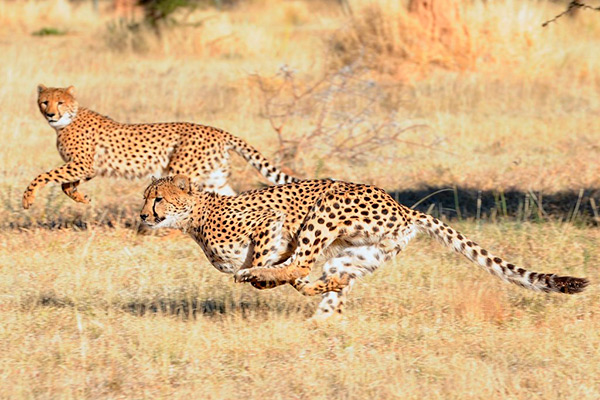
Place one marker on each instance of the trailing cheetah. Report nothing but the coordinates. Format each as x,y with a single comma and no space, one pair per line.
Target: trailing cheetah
94,145
276,235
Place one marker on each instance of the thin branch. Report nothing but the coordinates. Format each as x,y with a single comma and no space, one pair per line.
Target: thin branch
572,5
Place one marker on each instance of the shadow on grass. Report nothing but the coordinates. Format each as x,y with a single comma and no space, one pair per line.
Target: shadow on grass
191,307
581,206
74,217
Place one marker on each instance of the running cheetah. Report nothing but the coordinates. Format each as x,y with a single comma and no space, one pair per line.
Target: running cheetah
95,145
275,235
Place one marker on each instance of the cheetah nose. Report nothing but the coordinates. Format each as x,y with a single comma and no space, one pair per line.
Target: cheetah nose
143,216
50,115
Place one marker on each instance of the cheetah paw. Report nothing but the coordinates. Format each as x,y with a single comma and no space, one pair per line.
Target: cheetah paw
28,198
243,275
81,198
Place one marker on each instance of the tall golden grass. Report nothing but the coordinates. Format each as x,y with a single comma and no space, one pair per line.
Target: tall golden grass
93,310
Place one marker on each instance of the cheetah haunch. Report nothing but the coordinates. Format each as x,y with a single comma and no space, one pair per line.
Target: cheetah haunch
276,235
94,145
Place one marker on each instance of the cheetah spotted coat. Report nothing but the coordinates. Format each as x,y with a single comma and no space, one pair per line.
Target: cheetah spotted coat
276,235
95,145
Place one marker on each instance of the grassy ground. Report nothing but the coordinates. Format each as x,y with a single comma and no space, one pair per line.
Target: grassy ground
95,311
107,313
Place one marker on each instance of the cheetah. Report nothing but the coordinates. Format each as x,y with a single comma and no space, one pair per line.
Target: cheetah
94,145
275,235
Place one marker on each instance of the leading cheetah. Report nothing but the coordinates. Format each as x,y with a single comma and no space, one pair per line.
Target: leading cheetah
276,235
94,145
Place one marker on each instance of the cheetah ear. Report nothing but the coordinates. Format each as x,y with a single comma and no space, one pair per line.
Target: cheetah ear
41,88
71,90
182,182
153,179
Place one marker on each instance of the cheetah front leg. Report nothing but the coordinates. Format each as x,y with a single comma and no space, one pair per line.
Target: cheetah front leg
314,237
70,173
267,247
70,189
267,243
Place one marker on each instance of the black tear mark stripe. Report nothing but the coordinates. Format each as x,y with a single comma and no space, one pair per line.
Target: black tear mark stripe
156,218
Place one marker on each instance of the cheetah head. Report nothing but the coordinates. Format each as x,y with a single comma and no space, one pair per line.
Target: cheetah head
57,105
167,202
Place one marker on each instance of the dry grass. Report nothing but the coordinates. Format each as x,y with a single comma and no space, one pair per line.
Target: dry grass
106,313
103,313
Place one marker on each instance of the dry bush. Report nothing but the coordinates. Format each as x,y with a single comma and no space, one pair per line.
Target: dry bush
479,302
411,42
187,32
348,117
402,41
572,10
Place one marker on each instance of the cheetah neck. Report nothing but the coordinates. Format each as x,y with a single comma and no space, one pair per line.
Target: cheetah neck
63,121
204,205
183,221
76,117
68,119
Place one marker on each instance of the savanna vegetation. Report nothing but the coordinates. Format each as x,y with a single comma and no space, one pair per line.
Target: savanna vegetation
484,106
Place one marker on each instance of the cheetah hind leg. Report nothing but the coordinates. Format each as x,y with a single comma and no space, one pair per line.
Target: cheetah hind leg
342,271
327,283
332,304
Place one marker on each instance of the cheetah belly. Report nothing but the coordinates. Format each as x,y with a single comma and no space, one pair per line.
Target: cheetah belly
227,258
115,162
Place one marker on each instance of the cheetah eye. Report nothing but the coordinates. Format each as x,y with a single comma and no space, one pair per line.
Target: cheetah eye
45,103
60,103
158,199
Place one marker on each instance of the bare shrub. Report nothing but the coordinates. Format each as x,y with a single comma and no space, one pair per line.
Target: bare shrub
350,117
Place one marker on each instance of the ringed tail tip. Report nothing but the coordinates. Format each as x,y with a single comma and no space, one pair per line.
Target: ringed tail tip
569,284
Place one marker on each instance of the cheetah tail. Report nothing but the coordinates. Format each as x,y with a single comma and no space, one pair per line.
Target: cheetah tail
258,161
495,265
